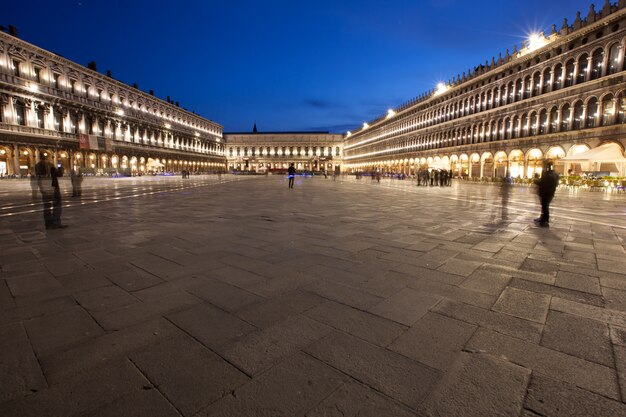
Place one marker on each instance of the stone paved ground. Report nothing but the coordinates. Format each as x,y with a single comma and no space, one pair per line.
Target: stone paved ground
346,298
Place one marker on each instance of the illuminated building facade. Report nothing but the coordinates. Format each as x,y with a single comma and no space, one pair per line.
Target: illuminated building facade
82,119
557,96
268,151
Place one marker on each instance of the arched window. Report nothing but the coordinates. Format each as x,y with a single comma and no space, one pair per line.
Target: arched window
578,115
597,58
499,130
488,103
566,116
515,127
494,131
527,86
613,59
483,101
476,103
20,113
554,119
583,70
621,109
557,79
496,97
547,80
543,122
524,126
503,92
533,124
536,83
592,112
608,109
569,73
506,134
519,89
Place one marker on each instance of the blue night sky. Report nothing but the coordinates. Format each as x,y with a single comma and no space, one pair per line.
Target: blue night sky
288,65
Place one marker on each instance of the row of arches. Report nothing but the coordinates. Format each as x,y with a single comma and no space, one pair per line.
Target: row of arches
30,113
517,163
608,109
591,64
20,161
42,71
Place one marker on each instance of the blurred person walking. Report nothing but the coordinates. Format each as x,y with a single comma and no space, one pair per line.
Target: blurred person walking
546,187
48,181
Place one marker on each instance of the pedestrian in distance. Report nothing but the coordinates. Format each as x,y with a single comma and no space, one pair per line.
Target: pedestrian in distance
546,187
291,174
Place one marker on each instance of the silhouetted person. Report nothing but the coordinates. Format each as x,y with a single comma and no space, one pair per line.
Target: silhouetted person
47,178
76,177
34,186
546,187
291,175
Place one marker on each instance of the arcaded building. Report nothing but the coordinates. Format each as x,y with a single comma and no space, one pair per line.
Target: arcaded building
273,151
559,96
80,118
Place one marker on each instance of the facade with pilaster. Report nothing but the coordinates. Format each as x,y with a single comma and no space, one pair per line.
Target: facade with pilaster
558,95
83,119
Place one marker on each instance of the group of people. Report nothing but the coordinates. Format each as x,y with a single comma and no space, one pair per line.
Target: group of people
185,173
434,177
47,179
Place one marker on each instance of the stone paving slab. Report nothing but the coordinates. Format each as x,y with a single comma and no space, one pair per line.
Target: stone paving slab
479,385
383,370
335,298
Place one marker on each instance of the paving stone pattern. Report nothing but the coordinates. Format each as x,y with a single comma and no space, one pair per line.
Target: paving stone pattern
240,297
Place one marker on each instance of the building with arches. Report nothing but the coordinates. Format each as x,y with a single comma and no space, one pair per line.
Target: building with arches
83,119
274,151
558,95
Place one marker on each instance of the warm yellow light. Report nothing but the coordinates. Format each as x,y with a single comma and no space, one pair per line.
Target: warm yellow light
25,152
33,88
390,113
120,112
2,152
167,125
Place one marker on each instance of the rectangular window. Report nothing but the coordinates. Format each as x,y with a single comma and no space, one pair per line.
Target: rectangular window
55,80
38,74
72,86
16,68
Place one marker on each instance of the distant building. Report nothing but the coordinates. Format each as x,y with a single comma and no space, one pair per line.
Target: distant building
83,119
273,151
559,96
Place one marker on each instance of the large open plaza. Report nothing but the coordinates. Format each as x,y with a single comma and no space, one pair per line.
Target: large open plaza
236,296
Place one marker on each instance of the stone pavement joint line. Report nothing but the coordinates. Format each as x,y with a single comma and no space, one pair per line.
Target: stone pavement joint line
242,297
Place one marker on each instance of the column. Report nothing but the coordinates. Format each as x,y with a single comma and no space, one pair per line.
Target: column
16,160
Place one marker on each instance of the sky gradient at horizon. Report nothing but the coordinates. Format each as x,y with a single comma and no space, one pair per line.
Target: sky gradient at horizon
289,66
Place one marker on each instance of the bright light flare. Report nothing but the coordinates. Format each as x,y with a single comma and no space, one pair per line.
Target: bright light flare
390,113
441,88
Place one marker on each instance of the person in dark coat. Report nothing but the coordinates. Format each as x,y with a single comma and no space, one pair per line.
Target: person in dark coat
291,174
546,187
